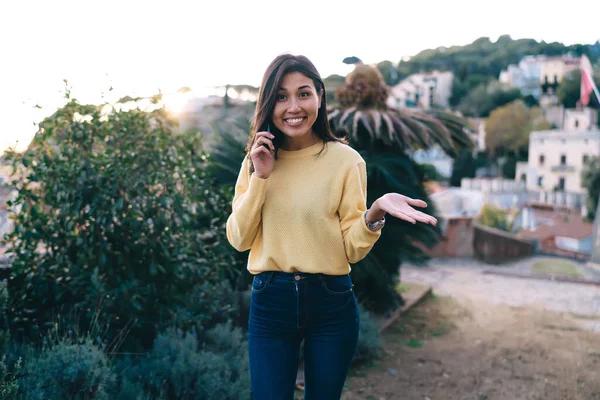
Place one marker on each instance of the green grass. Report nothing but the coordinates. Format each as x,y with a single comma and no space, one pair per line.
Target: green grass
414,343
556,267
442,328
403,287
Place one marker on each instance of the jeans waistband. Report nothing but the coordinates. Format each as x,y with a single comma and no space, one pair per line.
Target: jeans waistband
293,276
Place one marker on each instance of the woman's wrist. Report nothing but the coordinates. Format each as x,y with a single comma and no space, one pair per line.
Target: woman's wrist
375,213
261,176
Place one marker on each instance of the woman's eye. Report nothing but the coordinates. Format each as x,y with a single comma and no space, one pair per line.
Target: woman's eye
280,97
304,94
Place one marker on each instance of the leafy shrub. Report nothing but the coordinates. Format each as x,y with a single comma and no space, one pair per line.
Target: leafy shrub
494,217
369,345
115,216
68,371
9,385
178,367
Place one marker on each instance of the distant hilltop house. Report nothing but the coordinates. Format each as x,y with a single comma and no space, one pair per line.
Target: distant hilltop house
426,90
540,75
552,175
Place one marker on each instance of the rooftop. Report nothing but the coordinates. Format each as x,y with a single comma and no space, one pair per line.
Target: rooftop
563,223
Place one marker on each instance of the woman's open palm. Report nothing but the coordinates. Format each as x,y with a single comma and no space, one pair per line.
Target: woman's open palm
401,206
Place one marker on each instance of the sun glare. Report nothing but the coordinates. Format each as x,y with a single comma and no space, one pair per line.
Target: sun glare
176,102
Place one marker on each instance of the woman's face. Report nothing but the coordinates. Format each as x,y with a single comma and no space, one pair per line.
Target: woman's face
297,105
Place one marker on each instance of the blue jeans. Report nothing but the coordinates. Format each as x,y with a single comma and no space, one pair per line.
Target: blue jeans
287,308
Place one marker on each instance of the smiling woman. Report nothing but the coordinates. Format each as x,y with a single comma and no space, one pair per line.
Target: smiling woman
296,110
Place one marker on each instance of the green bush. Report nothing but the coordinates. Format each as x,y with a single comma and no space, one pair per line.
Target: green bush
9,385
494,217
68,371
370,346
117,217
178,367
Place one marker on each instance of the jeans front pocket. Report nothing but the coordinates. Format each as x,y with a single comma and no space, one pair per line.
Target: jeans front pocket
261,281
337,285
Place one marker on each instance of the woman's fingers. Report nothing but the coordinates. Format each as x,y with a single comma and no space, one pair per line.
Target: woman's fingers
260,149
425,218
414,217
263,137
417,203
403,216
263,140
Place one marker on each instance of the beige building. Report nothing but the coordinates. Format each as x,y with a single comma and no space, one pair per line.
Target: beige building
557,157
553,70
423,91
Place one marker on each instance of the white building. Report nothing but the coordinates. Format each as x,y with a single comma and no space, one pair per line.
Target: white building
556,159
525,76
423,91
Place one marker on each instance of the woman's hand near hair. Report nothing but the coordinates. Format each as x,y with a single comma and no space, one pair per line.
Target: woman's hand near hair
263,158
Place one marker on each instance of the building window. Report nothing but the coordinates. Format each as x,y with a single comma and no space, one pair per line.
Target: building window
561,184
546,79
541,159
555,79
585,141
576,123
540,181
563,159
585,159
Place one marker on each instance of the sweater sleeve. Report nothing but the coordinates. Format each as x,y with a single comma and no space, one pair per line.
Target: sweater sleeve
246,213
358,238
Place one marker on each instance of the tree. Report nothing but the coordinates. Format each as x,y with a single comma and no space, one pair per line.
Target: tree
509,166
389,72
383,136
429,172
480,101
590,179
117,220
568,91
508,128
332,83
464,166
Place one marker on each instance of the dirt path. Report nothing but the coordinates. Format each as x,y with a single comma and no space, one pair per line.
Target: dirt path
473,341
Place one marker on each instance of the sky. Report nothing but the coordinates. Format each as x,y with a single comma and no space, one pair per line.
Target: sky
141,47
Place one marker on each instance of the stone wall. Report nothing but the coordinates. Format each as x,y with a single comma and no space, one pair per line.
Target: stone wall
494,246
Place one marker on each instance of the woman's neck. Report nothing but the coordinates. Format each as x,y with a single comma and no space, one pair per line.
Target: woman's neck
299,143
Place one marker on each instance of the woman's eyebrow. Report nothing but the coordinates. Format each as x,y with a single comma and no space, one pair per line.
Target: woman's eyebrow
300,88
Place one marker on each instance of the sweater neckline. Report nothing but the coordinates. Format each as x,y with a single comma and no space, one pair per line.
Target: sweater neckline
307,151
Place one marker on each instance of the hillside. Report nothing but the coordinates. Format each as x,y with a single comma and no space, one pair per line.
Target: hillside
479,62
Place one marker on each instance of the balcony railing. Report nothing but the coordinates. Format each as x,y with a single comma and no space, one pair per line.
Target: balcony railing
563,168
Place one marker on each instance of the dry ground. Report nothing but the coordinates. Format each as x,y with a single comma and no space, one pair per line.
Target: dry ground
463,348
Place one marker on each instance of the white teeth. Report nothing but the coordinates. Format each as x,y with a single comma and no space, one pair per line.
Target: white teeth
294,120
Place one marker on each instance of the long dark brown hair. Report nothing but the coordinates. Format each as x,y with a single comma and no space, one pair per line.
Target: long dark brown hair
267,97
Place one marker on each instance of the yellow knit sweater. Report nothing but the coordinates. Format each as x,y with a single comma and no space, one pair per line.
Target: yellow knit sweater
307,216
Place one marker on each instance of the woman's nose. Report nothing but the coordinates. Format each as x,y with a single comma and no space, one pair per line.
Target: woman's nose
294,107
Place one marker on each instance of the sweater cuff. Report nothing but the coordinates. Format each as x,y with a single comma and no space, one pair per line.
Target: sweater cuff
257,186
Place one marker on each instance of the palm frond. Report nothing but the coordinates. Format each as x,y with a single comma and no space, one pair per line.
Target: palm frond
402,129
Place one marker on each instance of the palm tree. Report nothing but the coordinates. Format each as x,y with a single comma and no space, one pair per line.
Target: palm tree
384,136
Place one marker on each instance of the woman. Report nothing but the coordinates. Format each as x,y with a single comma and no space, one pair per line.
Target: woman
300,208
